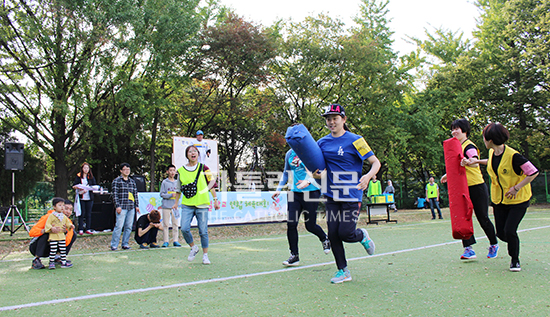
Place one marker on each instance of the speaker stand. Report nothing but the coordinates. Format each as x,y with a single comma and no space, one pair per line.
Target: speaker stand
13,209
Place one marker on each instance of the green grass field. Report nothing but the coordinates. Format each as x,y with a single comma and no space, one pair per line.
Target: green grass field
416,271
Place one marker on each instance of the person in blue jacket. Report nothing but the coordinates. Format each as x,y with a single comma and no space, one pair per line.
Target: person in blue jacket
303,198
344,153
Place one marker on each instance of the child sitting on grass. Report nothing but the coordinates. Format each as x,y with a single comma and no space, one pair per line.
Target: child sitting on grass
57,240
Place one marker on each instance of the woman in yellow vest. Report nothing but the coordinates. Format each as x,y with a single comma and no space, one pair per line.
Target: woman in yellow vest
460,129
511,176
197,205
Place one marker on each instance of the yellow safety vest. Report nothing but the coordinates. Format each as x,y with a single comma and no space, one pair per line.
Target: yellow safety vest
432,190
202,197
505,178
374,188
473,174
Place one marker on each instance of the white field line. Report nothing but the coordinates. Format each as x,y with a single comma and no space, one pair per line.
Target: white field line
222,279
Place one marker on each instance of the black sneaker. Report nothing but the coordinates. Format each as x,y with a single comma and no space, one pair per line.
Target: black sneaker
515,267
326,246
294,260
37,264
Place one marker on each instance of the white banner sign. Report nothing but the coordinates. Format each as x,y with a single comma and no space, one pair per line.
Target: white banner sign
236,207
208,152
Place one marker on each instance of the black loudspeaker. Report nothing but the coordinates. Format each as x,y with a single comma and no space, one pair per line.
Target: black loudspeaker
14,156
103,216
140,183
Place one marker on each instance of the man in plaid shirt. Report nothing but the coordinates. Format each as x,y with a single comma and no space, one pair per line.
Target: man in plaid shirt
126,202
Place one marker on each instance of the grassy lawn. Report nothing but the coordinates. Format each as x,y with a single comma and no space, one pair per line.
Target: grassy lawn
416,271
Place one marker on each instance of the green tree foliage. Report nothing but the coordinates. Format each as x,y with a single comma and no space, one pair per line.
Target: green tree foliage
513,39
232,59
378,81
503,77
309,71
66,66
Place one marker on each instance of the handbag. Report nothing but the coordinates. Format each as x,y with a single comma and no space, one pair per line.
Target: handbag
190,190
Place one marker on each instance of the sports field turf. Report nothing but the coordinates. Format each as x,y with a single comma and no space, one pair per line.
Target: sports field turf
416,271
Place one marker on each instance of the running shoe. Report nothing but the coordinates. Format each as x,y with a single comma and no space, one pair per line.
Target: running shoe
165,245
66,265
205,259
37,264
177,244
493,250
153,245
515,267
293,260
52,266
143,246
468,254
341,276
367,243
126,247
193,253
88,232
326,246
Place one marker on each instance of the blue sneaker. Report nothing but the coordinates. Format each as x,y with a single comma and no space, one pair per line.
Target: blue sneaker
165,245
468,254
341,276
493,250
367,243
177,244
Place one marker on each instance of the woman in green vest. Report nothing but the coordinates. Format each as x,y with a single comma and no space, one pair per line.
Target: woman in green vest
511,176
375,188
197,205
460,129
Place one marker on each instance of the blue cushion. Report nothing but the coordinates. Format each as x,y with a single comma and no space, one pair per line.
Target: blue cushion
301,141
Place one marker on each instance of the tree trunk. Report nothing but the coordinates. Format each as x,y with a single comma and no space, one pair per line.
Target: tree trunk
152,150
61,172
59,153
232,172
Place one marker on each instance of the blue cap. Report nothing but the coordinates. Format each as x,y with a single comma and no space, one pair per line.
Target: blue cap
200,132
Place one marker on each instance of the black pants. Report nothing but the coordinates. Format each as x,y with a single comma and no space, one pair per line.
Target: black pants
85,213
40,247
507,219
480,199
298,204
149,236
342,227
